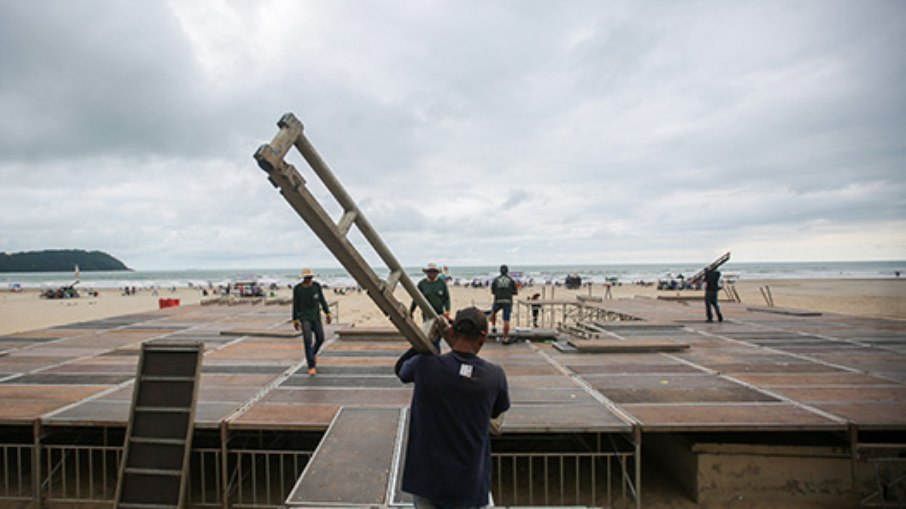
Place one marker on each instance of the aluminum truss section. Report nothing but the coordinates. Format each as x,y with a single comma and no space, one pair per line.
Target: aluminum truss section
289,181
154,469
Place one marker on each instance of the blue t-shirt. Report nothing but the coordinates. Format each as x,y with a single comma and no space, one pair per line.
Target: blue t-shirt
448,457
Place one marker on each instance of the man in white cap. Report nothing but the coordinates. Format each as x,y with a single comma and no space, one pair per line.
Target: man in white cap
308,301
436,292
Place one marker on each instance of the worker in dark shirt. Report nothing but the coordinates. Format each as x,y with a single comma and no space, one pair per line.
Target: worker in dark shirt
503,288
712,285
435,290
456,399
308,301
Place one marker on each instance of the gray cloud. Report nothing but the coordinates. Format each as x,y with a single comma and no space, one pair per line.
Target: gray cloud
468,132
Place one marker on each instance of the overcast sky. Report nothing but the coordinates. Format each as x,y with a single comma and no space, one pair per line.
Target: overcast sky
469,132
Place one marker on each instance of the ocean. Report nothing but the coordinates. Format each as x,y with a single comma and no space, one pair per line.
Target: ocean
623,273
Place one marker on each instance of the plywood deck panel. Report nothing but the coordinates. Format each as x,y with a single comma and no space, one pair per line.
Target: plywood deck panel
562,418
849,367
205,394
285,333
394,349
286,416
603,346
334,370
386,362
755,417
684,395
547,381
382,397
369,334
869,415
84,368
26,411
230,368
50,392
575,395
889,393
358,448
838,379
642,369
92,413
71,379
14,363
390,381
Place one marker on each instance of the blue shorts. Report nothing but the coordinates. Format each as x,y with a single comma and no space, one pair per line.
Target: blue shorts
506,307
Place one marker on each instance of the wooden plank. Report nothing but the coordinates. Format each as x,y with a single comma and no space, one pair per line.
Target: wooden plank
288,333
283,416
369,334
627,345
536,334
562,418
639,325
756,417
352,464
783,311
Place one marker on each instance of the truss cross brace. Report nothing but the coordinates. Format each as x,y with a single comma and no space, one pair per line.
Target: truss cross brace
289,181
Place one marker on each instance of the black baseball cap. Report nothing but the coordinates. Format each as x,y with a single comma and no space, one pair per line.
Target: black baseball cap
470,321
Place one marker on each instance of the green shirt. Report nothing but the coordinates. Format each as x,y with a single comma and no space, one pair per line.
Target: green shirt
306,301
503,287
437,294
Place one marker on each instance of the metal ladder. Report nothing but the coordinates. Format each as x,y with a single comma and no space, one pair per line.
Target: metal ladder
155,461
289,181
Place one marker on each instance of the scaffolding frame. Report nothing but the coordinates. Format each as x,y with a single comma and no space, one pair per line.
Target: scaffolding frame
289,181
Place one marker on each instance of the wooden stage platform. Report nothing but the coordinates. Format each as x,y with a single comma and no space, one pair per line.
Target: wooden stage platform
757,372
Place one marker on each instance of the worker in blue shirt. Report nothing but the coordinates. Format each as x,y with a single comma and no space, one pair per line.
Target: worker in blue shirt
458,397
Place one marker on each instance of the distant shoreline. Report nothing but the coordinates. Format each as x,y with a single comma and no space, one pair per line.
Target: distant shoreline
878,298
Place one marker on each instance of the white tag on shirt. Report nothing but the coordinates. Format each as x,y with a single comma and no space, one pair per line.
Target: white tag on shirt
465,370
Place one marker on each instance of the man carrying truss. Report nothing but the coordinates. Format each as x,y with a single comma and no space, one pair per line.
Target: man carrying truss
712,286
456,396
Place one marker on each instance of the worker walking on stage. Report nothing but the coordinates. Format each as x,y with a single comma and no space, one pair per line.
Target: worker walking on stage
458,399
308,301
435,290
712,285
503,288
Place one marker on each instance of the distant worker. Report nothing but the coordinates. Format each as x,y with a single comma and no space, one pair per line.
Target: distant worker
308,301
436,292
503,288
712,285
457,402
536,309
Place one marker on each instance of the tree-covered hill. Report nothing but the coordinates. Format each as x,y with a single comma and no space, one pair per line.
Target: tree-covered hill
60,260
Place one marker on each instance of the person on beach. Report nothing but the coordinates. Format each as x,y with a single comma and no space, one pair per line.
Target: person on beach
712,285
436,292
503,288
536,309
458,400
308,301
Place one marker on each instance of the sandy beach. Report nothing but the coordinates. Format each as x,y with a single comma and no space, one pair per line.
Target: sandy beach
880,298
